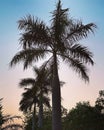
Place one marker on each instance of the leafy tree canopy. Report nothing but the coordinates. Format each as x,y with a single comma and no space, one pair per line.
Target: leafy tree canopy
84,117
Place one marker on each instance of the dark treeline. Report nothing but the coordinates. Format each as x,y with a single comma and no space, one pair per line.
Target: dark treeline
81,117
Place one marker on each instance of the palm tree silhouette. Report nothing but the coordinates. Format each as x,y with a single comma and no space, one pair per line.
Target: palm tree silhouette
37,94
8,121
58,41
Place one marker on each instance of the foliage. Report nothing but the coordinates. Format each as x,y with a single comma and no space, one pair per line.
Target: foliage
84,117
28,121
100,101
47,119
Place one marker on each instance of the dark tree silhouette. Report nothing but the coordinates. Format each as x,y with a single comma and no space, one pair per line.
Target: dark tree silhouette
36,95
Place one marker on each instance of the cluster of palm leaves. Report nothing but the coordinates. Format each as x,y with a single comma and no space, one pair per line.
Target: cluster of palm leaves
59,41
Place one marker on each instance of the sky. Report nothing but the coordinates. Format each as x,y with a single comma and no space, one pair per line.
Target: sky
75,89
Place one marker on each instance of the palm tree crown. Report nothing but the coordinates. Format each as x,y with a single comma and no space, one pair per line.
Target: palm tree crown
61,38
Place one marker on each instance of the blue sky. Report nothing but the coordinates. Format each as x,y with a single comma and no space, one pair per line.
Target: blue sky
74,90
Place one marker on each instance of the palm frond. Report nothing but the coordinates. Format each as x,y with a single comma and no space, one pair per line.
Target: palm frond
59,21
27,101
29,98
82,53
37,71
26,23
27,82
35,32
12,126
28,56
80,68
30,92
25,106
9,118
42,77
77,66
79,31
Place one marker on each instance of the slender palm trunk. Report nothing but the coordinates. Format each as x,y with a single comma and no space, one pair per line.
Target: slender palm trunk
40,121
56,98
33,118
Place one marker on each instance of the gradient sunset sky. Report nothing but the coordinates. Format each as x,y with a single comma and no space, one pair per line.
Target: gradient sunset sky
75,89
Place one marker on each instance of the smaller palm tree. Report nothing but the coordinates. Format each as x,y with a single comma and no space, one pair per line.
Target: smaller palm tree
37,94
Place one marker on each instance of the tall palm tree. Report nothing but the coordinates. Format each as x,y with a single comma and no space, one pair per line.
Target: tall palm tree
37,94
58,41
